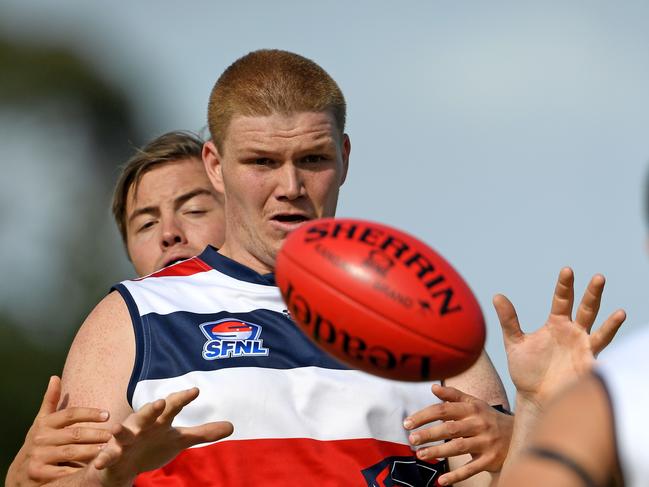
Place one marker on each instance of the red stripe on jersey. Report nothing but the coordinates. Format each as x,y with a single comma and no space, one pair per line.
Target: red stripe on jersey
276,462
188,267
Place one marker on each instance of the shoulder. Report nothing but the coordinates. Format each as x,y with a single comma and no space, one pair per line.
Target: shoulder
108,325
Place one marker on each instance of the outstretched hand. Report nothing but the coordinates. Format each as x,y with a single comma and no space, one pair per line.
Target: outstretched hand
543,362
146,439
55,445
469,425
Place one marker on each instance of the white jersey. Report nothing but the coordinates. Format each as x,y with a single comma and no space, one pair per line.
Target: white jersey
624,373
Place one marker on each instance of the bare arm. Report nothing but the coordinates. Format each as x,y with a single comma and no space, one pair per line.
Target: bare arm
100,361
97,369
576,433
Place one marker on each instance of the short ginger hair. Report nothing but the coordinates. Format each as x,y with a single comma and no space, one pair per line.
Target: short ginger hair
169,147
269,81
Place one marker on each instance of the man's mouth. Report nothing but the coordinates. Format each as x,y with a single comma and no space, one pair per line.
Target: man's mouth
286,218
287,222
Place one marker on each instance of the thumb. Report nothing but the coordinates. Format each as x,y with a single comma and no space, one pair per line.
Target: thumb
51,397
508,319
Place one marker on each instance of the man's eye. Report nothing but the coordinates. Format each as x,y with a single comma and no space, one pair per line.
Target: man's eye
196,212
146,225
263,161
312,158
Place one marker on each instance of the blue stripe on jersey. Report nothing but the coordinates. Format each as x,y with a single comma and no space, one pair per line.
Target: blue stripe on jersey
140,349
173,344
233,268
180,344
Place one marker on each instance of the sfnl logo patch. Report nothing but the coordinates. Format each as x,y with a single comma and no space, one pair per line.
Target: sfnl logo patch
232,338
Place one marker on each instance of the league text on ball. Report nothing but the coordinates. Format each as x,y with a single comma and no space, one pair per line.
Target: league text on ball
395,248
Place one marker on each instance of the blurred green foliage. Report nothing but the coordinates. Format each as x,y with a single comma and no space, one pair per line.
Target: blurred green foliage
29,75
32,74
23,379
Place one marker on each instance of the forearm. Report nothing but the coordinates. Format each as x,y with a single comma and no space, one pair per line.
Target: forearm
482,381
527,416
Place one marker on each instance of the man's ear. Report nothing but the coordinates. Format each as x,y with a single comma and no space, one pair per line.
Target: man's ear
213,166
347,149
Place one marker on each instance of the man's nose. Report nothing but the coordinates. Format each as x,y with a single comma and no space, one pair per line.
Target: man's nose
291,184
172,234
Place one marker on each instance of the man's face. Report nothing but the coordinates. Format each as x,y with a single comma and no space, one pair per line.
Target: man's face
174,215
276,172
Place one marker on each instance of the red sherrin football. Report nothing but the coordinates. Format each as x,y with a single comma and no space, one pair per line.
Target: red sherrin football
379,300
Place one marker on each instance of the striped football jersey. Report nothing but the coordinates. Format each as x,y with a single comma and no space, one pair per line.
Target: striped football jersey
300,417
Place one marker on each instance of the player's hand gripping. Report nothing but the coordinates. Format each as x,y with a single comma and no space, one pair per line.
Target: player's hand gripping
471,425
55,443
543,362
146,440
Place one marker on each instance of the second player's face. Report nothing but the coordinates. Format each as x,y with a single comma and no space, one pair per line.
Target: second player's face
174,215
276,172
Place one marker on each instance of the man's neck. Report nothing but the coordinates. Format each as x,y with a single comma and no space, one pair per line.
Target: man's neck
245,258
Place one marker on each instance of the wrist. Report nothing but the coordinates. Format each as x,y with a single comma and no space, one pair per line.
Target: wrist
528,405
502,409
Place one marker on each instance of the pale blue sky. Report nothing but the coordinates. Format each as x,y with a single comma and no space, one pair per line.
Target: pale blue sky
509,135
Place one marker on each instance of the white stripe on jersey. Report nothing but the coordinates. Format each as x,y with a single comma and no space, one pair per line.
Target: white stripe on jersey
306,402
208,291
624,370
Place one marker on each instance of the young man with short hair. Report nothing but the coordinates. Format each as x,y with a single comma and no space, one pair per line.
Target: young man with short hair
279,155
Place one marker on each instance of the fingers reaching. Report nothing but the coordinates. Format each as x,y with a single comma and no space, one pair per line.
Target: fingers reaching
68,454
108,456
146,416
78,435
508,319
176,401
206,433
51,397
600,339
462,473
444,431
453,448
72,415
589,306
450,394
445,411
147,438
564,295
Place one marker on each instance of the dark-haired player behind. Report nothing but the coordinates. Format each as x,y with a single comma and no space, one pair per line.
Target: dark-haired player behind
166,210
